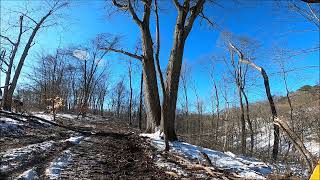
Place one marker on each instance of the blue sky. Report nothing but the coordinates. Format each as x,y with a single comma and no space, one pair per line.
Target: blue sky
263,21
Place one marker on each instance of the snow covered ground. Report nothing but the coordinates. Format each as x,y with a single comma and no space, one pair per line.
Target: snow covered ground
69,116
266,137
49,117
12,157
9,125
245,167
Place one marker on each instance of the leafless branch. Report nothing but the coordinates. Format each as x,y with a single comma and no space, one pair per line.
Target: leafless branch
133,13
121,6
211,23
313,13
241,57
25,15
129,7
139,57
194,12
176,3
158,47
8,39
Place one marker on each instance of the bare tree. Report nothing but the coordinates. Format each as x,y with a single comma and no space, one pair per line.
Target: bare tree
102,92
281,62
187,14
152,100
7,100
185,71
9,89
270,99
306,10
119,95
224,94
90,58
238,78
215,102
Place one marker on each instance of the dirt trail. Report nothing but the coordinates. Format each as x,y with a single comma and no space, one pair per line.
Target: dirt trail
113,151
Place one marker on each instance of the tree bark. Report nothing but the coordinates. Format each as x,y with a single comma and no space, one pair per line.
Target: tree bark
217,107
130,98
249,121
158,47
182,29
140,104
172,82
242,120
152,101
151,94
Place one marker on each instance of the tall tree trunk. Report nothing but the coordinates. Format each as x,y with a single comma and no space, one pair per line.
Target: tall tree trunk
140,103
130,98
276,132
172,79
101,106
182,29
186,99
152,101
242,120
249,121
172,82
217,108
85,91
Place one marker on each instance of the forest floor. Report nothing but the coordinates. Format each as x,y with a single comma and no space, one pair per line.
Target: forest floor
108,149
96,147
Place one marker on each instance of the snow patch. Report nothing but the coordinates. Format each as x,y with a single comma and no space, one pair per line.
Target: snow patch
9,124
9,157
313,146
58,164
75,140
69,116
44,116
11,154
248,168
30,174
